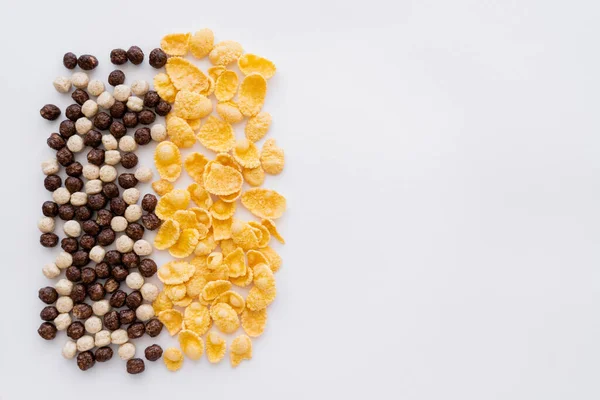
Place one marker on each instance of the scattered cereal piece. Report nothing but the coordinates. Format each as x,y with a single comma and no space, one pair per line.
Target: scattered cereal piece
255,257
230,112
197,318
225,52
270,225
216,71
254,176
194,123
273,258
172,320
251,97
185,75
195,285
234,299
175,272
213,289
226,85
184,302
201,43
199,195
251,63
177,199
272,158
164,87
222,180
264,203
175,44
264,290
202,216
227,247
168,161
175,292
254,322
162,187
206,245
243,235
162,303
191,105
246,154
222,211
186,244
173,358
215,347
194,165
167,235
216,135
221,229
225,317
186,219
265,235
241,349
244,280
180,133
191,344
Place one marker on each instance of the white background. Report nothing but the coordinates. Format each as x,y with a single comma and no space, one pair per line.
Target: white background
442,223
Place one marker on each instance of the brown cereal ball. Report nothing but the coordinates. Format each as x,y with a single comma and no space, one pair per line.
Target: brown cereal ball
96,157
103,218
118,56
48,294
87,62
111,320
153,352
118,109
70,60
110,190
85,360
151,221
162,108
67,128
149,202
73,112
142,136
102,121
134,300
106,237
96,201
131,260
73,273
66,212
130,119
56,142
126,316
154,327
118,299
91,227
83,213
129,160
116,77
50,112
87,242
151,99
136,330
118,206
117,129
135,55
135,366
82,311
80,96
52,182
158,58
73,184
92,138
104,354
148,268
81,258
102,270
127,180
112,257
146,117
76,330
96,291
88,275
65,157
75,170
134,231
78,294
47,331
48,239
119,273
50,209
48,313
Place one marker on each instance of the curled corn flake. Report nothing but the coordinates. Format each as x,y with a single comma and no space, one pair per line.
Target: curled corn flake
216,71
186,219
162,187
254,322
245,280
225,52
199,195
213,289
175,292
206,245
194,123
226,86
186,244
197,318
191,344
272,158
175,44
258,299
230,198
234,299
215,347
221,210
201,43
254,176
216,135
167,235
192,105
198,262
241,349
274,260
162,303
202,216
272,228
173,359
214,259
243,235
227,247
227,160
195,285
246,154
258,126
255,257
230,112
177,199
180,133
223,180
265,235
175,272
183,302
168,161
264,203
164,87
172,319
251,97
263,278
194,165
225,317
221,229
215,273
185,75
210,89
251,63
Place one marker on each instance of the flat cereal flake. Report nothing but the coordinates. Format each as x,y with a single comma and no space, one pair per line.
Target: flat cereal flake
251,63
251,97
162,303
245,280
164,87
213,289
210,89
194,123
194,165
234,299
177,199
227,247
222,229
264,203
162,187
175,292
255,257
172,320
274,259
214,259
167,235
272,158
206,245
201,43
265,236
175,44
223,180
264,290
173,359
192,105
258,126
243,236
221,210
226,85
225,318
186,219
175,272
216,135
197,318
180,133
246,154
185,75
215,347
202,216
216,71
241,349
167,159
191,344
225,52
199,195
230,112
186,244
254,176
227,160
183,302
254,322
195,285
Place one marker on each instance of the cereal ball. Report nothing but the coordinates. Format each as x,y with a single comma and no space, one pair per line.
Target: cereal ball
63,321
64,157
124,244
110,142
102,338
147,117
85,360
48,295
83,125
158,58
46,224
135,366
158,132
73,112
144,312
130,119
79,199
135,104
75,144
118,56
104,354
102,121
119,336
85,343
64,287
127,143
134,280
93,186
142,248
143,174
69,349
93,325
64,260
163,108
97,253
108,173
129,160
62,84
80,80
143,136
80,96
61,196
112,157
140,87
116,77
131,195
72,228
55,141
48,313
50,271
118,224
48,239
100,308
133,213
149,292
126,351
148,267
70,60
95,87
135,55
105,100
135,330
91,172
87,62
121,93
89,108
50,166
64,304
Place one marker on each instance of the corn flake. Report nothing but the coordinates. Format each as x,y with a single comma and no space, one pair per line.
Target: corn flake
175,272
225,52
223,180
254,176
224,317
201,43
180,133
213,289
264,290
230,112
186,244
186,219
245,280
241,349
227,160
215,347
274,260
175,44
192,105
226,85
162,187
216,135
199,195
167,235
227,247
234,299
195,285
264,203
185,75
214,259
194,165
258,126
272,158
272,228
254,322
177,199
221,210
197,318
202,216
168,161
172,320
251,97
255,257
230,198
251,63
236,261
245,154
173,359
175,292
243,235
222,229
206,245
265,235
191,344
162,303
183,302
216,71
164,87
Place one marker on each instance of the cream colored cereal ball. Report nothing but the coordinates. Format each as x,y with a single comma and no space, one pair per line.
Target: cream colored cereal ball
143,174
62,84
135,104
80,80
126,351
75,143
97,253
46,224
112,157
50,271
158,132
69,350
89,108
108,173
79,199
93,324
124,244
100,308
134,280
127,143
144,312
83,125
140,87
64,304
119,336
95,87
61,196
85,343
63,260
105,100
149,292
102,338
93,186
63,321
122,92
64,287
131,195
133,213
50,166
142,248
118,224
110,143
91,171
72,228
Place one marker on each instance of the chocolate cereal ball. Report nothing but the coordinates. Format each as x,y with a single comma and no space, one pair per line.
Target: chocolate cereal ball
151,99
146,117
118,206
153,352
134,231
91,227
126,316
50,209
50,112
104,354
73,184
102,270
85,360
136,330
118,109
52,182
135,366
81,258
80,96
112,257
48,295
111,284
47,331
83,213
135,55
162,108
67,128
92,138
127,180
142,136
82,311
130,119
111,320
154,327
134,300
73,112
129,160
96,157
106,237
102,121
116,77
70,60
149,202
88,275
87,62
131,260
96,291
66,212
158,58
103,217
65,157
78,294
48,239
96,201
119,273
117,129
87,242
48,313
118,299
151,221
75,170
55,141
76,330
73,273
118,56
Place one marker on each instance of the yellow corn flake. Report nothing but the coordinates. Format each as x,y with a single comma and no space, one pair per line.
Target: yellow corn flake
222,229
164,87
263,278
172,320
192,105
216,135
264,290
194,123
177,199
191,344
272,228
254,322
230,112
180,133
243,236
234,299
201,43
175,272
227,160
197,318
236,261
199,195
214,259
274,260
183,302
186,244
254,176
162,187
258,126
211,87
226,86
206,245
213,289
265,235
168,161
194,165
230,198
225,52
241,349
186,219
215,272
195,285
264,203
175,44
185,75
255,257
175,292
245,280
162,303
202,216
221,210
167,235
223,180
225,317
173,359
251,97
198,262
245,153
251,63
215,347
272,158
216,71
227,247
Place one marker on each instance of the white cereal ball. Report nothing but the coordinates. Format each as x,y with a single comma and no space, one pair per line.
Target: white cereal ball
135,104
158,132
50,271
64,287
79,199
126,351
124,244
97,254
108,173
112,157
119,336
131,195
93,186
93,324
144,312
72,228
62,84
91,171
149,292
83,125
61,196
80,80
69,349
133,213
110,143
143,174
127,143
50,166
100,308
75,143
89,108
140,87
121,92
64,304
134,280
118,224
63,321
85,343
95,87
105,100
142,248
63,260
46,224
102,339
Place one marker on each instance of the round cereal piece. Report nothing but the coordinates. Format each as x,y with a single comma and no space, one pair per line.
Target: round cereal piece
191,105
251,97
72,228
246,154
180,133
80,80
63,321
124,244
97,253
201,43
191,344
51,271
105,100
142,248
225,317
108,173
172,320
264,203
119,336
126,351
226,86
185,75
177,199
140,87
118,224
110,143
91,172
135,104
46,224
134,280
50,166
75,144
254,322
230,112
222,180
143,174
158,132
69,349
64,260
131,195
79,199
149,291
95,87
127,144
83,125
175,44
258,126
251,63
64,304
164,87
64,287
216,135
62,84
102,338
101,308
175,272
133,213
144,312
85,343
112,158
93,186
173,358
93,325
225,52
89,108
122,93
168,161
197,318
241,349
186,243
215,347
